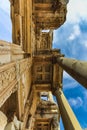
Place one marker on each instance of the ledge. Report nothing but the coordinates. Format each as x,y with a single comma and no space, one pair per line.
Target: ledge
10,52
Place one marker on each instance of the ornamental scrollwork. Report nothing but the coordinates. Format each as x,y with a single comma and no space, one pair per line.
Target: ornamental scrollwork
7,76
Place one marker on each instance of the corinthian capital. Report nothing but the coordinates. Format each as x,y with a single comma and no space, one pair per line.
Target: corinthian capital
12,2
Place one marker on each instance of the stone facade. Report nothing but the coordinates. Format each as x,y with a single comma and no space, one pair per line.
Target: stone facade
29,69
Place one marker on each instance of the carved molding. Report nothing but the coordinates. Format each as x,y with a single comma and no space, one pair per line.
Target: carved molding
7,75
54,13
6,93
10,75
7,47
54,122
23,65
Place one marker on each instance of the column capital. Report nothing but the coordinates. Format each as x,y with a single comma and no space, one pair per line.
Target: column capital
55,90
54,59
12,2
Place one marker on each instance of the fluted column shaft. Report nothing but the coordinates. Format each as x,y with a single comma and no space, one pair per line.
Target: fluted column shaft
69,120
77,69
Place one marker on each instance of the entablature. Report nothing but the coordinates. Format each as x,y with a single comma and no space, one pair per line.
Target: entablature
45,70
49,14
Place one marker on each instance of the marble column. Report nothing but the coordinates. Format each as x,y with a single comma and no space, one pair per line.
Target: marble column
76,68
69,120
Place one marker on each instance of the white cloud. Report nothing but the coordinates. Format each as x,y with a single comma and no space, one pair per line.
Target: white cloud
76,102
5,5
55,37
69,82
75,32
5,21
85,43
77,10
85,100
85,94
65,75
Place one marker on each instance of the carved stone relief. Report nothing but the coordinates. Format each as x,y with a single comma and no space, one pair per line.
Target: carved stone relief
55,123
7,76
10,75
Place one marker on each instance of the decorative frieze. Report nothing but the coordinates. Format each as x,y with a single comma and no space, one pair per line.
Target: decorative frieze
10,74
6,93
24,64
6,77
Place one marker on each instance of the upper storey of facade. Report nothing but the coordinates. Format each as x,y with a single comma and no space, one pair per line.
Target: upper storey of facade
33,70
30,17
49,14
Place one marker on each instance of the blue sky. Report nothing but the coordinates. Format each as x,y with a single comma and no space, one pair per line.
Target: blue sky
5,21
71,38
